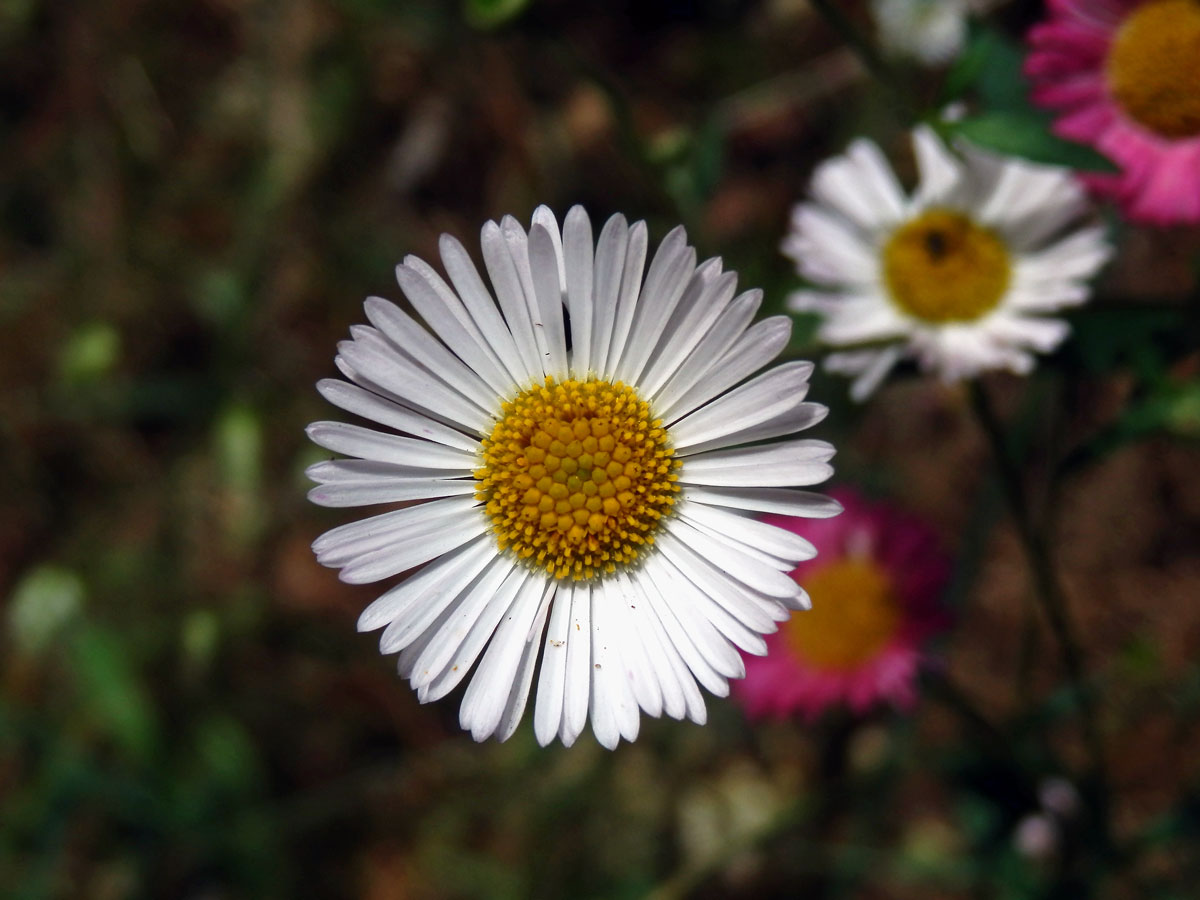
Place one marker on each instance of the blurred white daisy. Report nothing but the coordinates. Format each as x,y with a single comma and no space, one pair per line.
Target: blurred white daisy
960,275
932,32
582,493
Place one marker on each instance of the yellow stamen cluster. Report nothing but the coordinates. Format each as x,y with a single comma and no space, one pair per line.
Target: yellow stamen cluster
577,477
942,267
853,615
1154,67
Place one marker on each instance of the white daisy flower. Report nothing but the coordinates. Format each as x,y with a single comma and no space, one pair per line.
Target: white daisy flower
584,497
932,32
960,275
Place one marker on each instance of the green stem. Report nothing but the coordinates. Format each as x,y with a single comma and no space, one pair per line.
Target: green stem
1047,588
862,47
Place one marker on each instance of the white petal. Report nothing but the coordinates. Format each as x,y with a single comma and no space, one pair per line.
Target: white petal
511,295
627,298
354,440
729,326
759,400
487,694
577,685
940,170
483,378
681,337
669,273
799,417
606,286
375,531
346,493
683,542
761,343
782,464
414,549
779,501
478,613
577,251
777,541
548,708
362,402
681,695
371,355
543,264
482,309
711,658
456,595
458,567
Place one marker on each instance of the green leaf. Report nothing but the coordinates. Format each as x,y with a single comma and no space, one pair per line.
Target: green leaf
492,13
991,66
111,691
1028,136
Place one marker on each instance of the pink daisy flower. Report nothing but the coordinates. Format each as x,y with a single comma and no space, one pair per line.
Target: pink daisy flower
1125,75
875,587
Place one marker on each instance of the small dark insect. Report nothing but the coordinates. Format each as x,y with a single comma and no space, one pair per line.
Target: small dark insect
935,245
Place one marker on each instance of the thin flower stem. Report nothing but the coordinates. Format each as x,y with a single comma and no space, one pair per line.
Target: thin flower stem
862,47
1047,587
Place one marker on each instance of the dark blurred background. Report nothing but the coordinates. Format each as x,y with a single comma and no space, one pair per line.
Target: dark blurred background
194,199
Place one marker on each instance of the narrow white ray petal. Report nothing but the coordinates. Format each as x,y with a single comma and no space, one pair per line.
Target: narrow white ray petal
440,655
726,607
517,242
507,283
364,443
415,549
627,297
482,308
758,400
636,656
543,264
607,695
698,651
606,286
669,273
680,338
798,418
548,707
616,668
761,343
681,542
681,695
728,327
419,616
578,680
410,339
752,608
374,531
828,250
514,708
544,216
793,463
487,694
362,402
777,541
779,501
577,254
871,375
479,613
413,384
392,490
940,170
449,574
449,318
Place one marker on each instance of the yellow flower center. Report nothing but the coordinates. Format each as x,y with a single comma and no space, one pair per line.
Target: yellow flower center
942,267
577,477
853,615
1154,67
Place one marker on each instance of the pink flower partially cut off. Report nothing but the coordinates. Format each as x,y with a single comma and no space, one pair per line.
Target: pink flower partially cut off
1068,65
907,556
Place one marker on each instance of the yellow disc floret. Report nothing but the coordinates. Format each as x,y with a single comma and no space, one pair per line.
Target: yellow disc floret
1154,67
942,267
854,614
577,477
